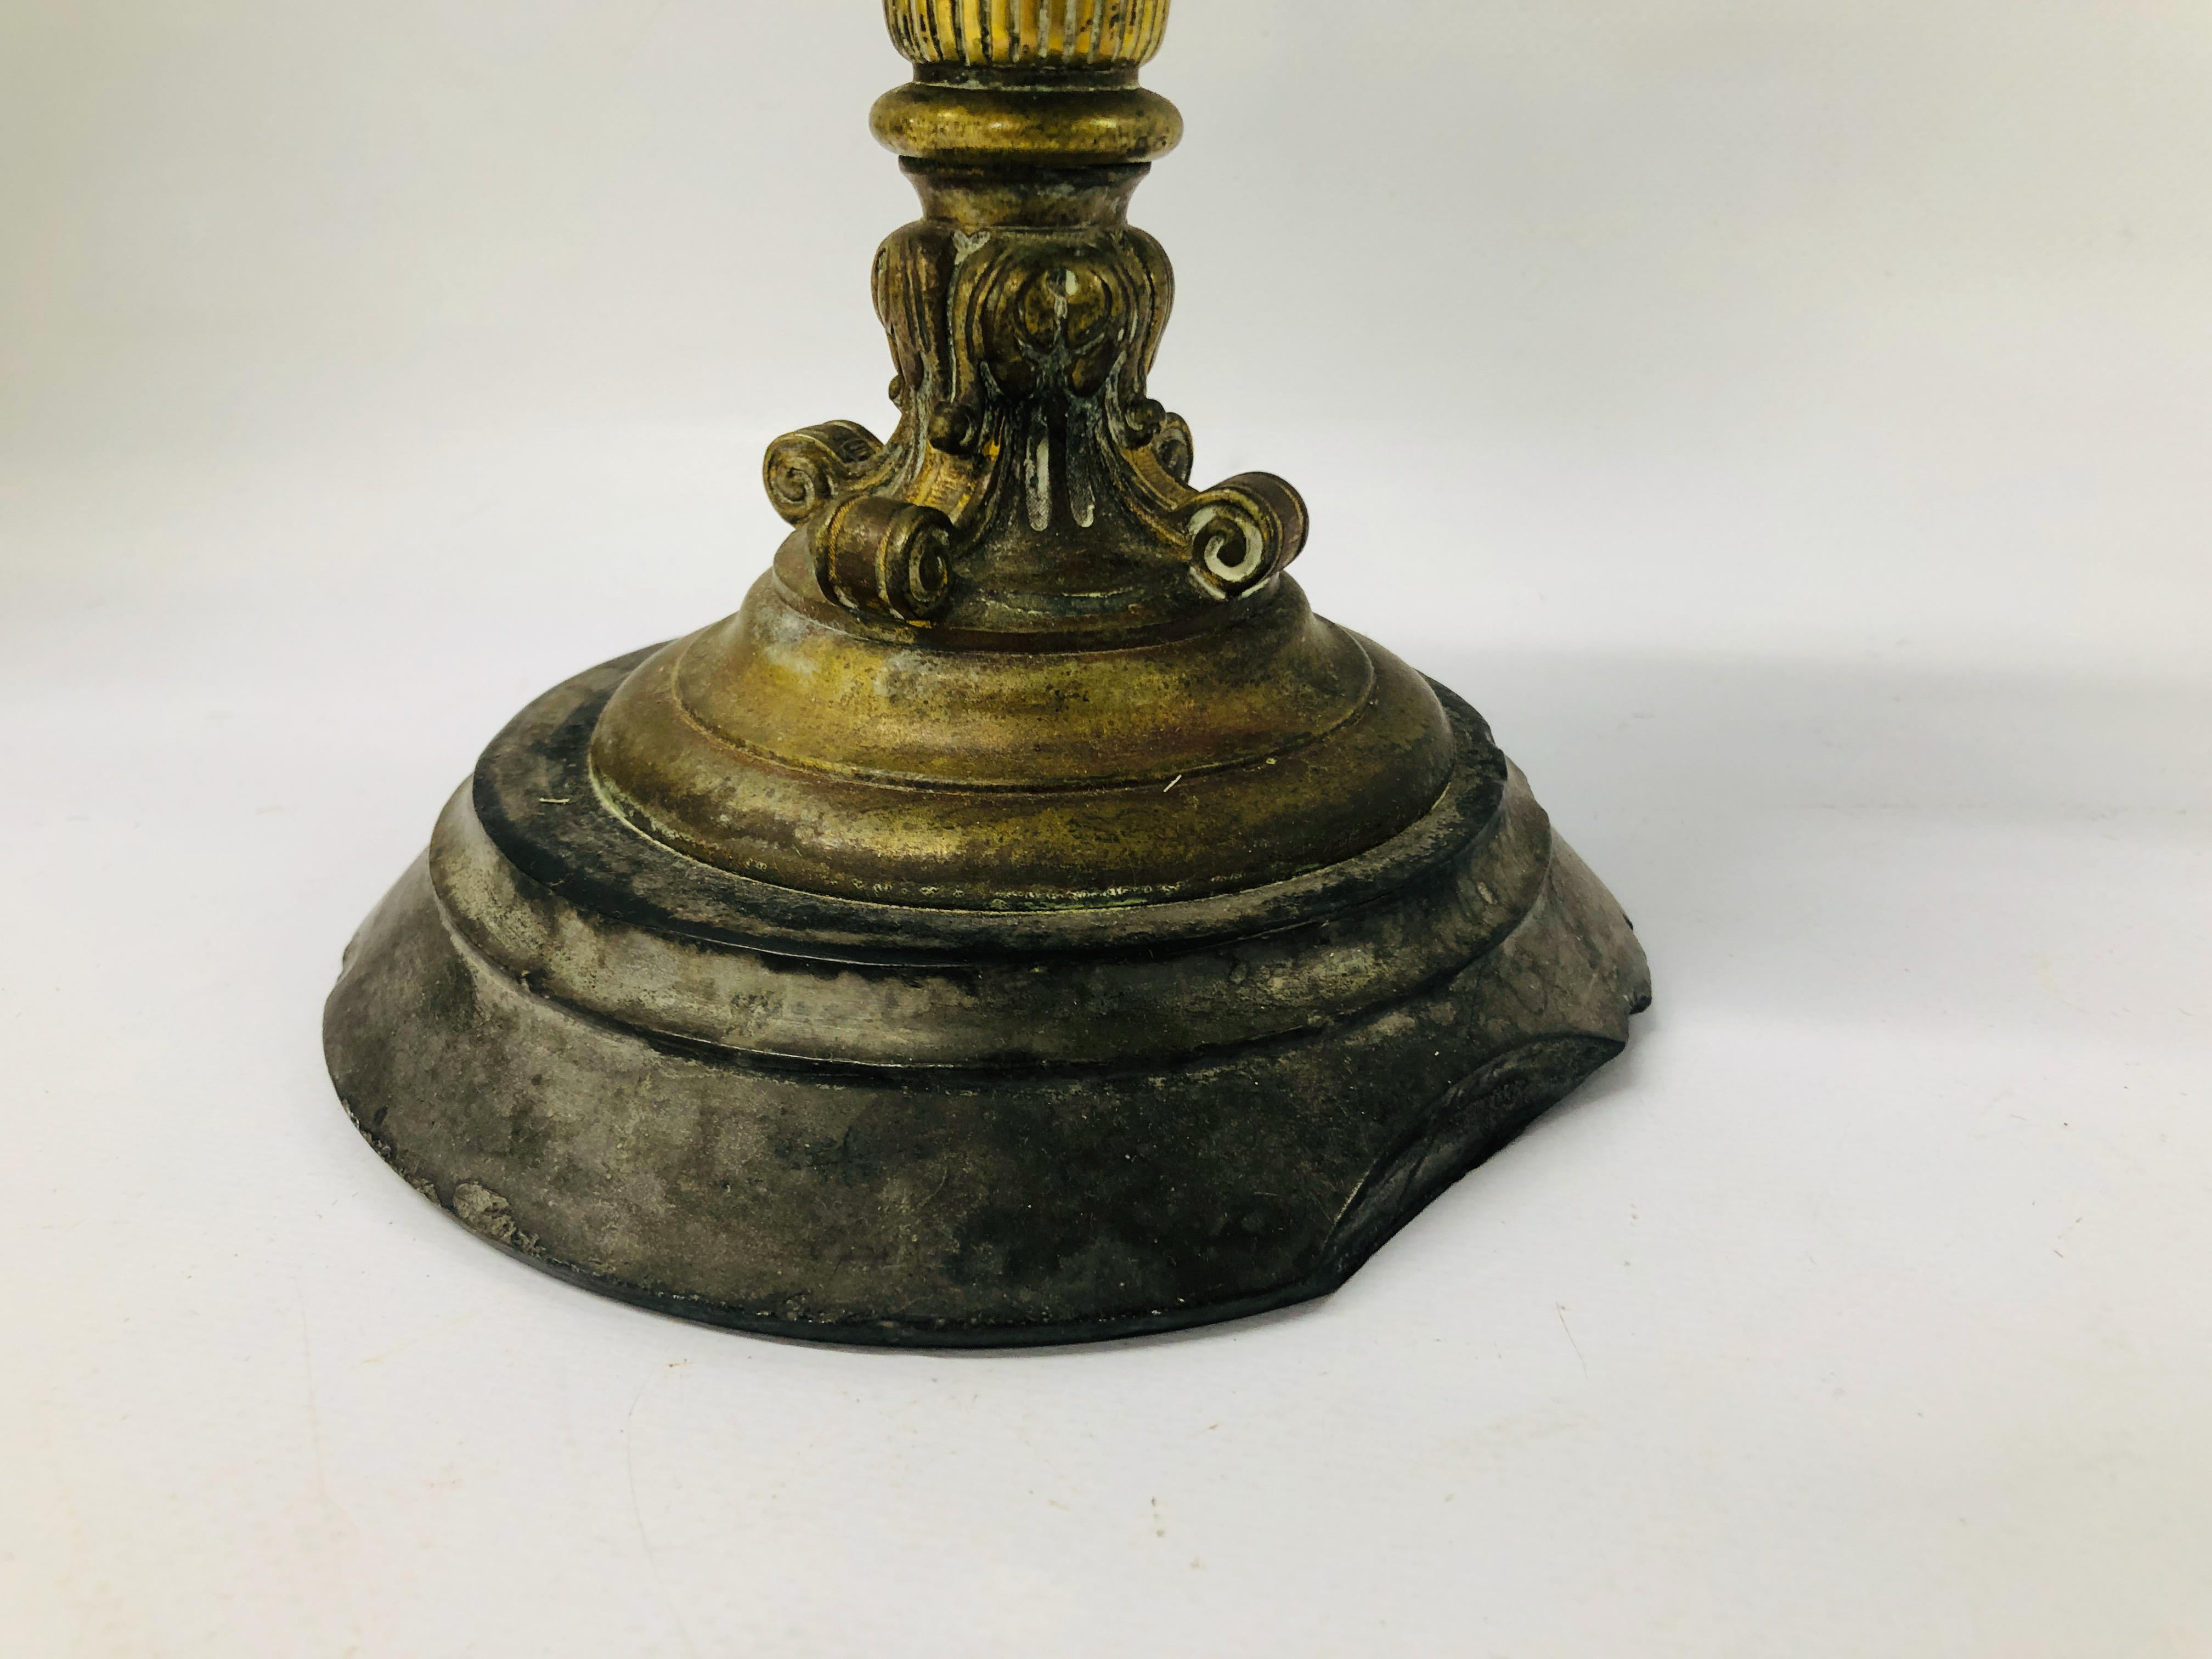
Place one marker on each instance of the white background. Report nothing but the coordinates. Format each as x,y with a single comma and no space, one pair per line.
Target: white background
1791,422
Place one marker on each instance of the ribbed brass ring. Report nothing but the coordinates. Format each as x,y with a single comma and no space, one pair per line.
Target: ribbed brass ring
1008,34
1105,127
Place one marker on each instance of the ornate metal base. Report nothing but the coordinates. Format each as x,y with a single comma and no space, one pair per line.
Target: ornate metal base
822,1118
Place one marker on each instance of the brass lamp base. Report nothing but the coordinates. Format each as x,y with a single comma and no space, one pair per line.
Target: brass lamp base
867,1123
1023,921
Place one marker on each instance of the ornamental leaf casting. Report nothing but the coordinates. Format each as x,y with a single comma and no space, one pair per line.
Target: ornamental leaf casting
1023,357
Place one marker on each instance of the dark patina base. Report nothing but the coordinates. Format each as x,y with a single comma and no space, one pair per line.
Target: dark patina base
864,1123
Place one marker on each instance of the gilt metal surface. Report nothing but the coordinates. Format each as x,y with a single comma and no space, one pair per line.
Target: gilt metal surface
1010,657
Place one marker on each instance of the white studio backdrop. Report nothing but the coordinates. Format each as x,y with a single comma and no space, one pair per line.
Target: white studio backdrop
1789,421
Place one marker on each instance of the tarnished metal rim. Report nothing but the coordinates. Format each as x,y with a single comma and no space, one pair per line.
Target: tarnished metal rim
993,1011
936,1208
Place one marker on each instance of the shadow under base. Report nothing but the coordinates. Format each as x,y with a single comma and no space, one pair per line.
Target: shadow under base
849,1122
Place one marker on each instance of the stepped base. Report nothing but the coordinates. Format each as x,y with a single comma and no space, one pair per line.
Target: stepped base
819,1118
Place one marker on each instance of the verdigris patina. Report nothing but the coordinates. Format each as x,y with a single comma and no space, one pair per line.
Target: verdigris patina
1024,920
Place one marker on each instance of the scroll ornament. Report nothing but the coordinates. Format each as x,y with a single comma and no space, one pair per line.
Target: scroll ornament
1023,359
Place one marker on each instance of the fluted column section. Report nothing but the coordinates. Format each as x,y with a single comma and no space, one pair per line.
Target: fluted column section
1009,33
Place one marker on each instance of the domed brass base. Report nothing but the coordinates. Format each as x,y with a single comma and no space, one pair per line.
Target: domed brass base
859,1123
799,745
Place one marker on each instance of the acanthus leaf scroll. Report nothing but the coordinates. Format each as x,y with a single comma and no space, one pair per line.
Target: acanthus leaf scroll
1023,357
